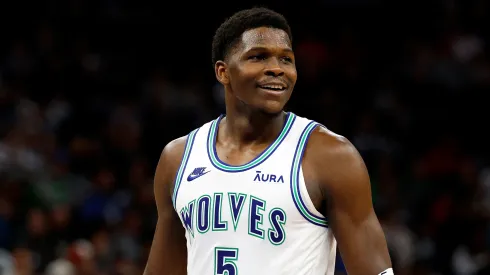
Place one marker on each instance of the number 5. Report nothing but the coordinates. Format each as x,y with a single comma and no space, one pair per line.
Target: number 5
224,261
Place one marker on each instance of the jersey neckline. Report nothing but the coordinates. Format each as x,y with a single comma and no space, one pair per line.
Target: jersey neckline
264,155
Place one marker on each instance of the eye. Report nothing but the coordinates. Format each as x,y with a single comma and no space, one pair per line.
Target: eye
257,57
287,59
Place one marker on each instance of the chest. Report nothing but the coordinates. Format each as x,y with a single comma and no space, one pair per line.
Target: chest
264,187
253,201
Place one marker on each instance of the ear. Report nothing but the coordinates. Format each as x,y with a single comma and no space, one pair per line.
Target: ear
220,69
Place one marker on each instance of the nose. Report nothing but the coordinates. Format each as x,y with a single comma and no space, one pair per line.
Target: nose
274,68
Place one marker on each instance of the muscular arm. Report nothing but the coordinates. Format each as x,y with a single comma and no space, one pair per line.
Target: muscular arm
168,250
342,177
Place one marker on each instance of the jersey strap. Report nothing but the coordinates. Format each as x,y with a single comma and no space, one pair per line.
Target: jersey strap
389,271
295,178
183,163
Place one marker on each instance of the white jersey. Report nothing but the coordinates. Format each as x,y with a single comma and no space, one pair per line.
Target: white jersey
255,218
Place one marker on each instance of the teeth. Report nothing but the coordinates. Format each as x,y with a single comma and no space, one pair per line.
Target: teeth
273,87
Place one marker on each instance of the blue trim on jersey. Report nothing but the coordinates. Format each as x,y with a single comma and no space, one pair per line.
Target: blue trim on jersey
308,134
218,164
183,164
295,169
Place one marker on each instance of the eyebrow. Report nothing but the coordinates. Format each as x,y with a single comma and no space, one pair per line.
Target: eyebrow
289,50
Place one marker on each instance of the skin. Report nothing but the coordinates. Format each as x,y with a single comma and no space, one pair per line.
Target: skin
335,174
168,251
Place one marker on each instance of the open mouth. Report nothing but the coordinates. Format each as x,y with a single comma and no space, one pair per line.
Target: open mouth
274,88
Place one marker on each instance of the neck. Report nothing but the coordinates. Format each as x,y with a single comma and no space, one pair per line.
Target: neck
245,126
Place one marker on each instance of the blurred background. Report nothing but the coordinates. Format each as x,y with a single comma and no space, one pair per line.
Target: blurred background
92,90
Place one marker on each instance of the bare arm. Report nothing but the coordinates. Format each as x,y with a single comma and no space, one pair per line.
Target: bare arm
168,251
344,180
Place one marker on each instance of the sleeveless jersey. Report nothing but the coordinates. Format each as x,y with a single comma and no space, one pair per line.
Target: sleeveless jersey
255,218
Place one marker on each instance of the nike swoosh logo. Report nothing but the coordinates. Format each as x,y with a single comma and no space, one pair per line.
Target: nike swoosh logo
192,177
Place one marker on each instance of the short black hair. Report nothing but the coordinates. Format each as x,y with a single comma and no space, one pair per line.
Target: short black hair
231,30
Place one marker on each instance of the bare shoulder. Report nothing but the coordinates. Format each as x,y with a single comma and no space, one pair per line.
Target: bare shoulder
173,151
169,163
333,160
327,148
329,144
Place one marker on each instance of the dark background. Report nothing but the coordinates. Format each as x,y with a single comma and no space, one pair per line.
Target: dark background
91,91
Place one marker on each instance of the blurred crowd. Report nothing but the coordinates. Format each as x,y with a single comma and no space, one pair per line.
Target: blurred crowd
91,91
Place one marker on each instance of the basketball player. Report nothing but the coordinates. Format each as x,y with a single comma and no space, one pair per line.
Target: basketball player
260,190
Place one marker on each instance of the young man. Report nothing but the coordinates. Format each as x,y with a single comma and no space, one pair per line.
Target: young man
260,190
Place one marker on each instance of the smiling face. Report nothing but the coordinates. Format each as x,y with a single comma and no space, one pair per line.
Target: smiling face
260,71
